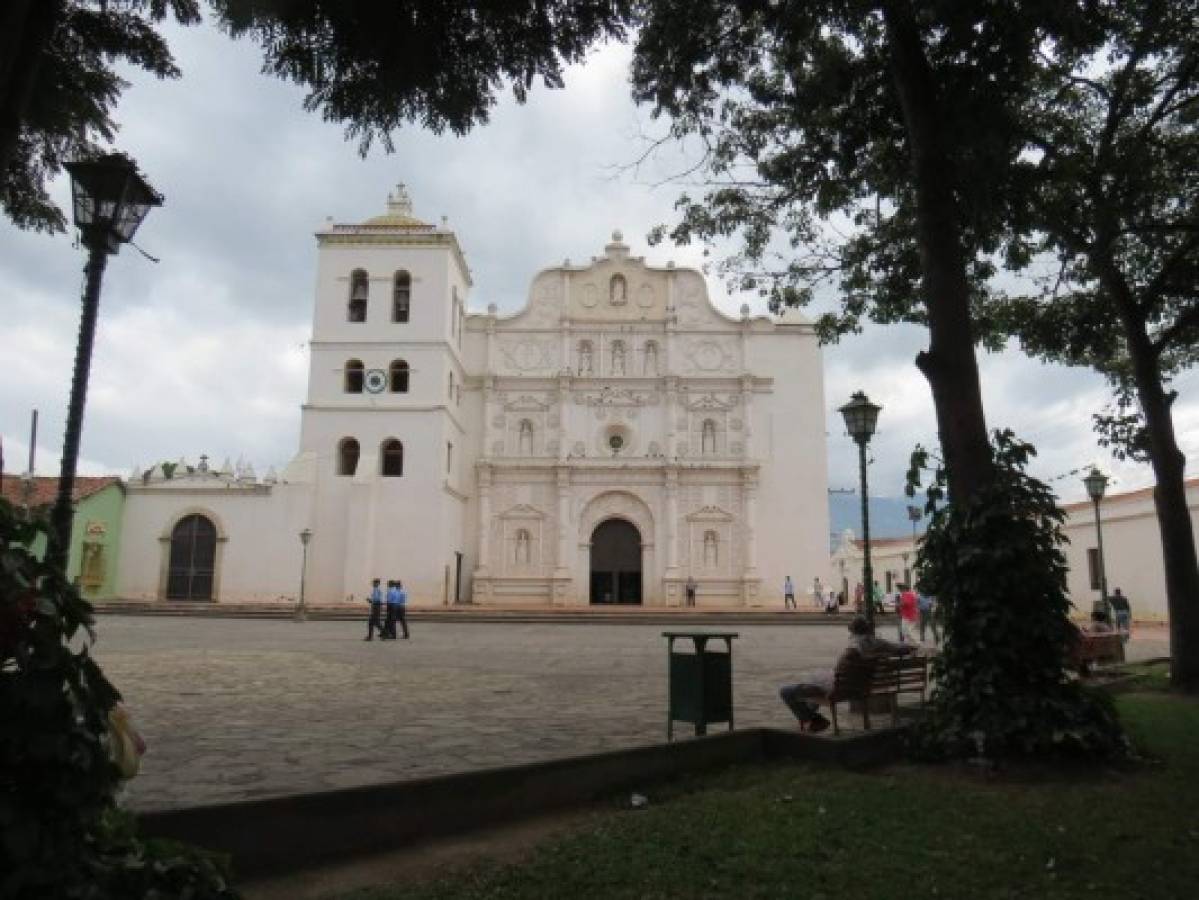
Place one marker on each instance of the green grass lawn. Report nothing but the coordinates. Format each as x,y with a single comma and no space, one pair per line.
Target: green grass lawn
792,830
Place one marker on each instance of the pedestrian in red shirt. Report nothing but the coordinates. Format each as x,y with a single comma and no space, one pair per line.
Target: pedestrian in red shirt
909,614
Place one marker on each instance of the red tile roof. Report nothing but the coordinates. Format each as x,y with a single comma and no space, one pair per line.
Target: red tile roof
45,489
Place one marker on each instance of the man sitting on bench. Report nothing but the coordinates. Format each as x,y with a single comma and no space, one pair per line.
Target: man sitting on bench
817,685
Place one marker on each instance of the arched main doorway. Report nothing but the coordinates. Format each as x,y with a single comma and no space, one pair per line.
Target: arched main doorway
616,562
192,561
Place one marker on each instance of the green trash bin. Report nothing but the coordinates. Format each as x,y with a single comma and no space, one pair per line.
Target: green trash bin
701,683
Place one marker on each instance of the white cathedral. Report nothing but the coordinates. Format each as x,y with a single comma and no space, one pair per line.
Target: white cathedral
615,437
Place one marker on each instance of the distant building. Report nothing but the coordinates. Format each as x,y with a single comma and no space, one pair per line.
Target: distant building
612,438
1132,553
95,533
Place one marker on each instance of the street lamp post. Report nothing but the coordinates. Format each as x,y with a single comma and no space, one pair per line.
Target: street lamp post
110,199
1096,484
301,609
914,516
860,418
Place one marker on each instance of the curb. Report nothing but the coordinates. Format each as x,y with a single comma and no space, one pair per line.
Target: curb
284,835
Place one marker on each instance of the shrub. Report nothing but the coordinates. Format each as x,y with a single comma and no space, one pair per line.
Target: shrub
996,566
57,779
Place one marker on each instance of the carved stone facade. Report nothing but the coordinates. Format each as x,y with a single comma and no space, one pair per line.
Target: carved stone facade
492,469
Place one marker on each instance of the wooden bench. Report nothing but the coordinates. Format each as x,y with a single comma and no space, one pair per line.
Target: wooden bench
1101,648
863,680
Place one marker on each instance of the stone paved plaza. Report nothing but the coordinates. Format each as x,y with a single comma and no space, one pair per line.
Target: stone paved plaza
236,709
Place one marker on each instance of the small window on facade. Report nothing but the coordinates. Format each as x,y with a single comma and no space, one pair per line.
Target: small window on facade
449,457
401,296
359,292
450,387
1093,567
391,459
454,312
354,373
399,377
708,437
347,456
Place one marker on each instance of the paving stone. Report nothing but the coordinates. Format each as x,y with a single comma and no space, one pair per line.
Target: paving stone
234,709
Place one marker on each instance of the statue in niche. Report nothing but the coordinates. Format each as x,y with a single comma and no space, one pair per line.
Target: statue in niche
618,367
618,291
585,361
649,364
523,547
711,550
525,444
708,438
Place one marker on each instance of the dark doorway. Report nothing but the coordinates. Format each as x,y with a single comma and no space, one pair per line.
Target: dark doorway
457,577
615,563
193,559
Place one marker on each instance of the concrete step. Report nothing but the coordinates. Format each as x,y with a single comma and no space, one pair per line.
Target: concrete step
469,613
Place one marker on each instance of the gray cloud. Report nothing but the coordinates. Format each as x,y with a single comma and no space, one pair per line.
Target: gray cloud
205,351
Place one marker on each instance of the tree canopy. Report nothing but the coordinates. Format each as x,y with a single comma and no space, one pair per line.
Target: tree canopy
373,66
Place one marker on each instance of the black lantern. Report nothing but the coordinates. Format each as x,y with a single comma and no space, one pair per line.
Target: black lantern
110,200
1096,483
860,417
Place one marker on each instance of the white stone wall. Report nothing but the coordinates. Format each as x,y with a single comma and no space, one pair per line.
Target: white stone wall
721,461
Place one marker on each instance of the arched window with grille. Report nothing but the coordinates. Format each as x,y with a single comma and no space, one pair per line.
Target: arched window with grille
353,379
191,568
391,459
359,293
347,456
398,372
401,296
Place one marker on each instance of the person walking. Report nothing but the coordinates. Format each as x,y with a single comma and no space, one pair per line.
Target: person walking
689,588
818,593
374,623
788,594
401,614
397,602
1123,610
908,609
926,604
389,626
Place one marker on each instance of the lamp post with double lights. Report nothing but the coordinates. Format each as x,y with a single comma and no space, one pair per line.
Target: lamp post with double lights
301,609
110,199
861,416
1096,484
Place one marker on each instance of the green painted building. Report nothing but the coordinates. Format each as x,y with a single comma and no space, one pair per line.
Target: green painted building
95,534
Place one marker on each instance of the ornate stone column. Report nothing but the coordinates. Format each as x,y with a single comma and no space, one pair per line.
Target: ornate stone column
747,416
484,518
670,532
749,493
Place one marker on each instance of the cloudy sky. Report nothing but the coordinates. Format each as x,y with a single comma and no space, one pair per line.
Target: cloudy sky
205,351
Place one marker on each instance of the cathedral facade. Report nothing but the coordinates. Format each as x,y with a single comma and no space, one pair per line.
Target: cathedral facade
615,437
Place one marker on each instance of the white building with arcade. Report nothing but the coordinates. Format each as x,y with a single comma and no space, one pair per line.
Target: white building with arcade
614,437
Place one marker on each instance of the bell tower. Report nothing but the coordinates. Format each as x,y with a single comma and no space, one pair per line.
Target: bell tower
382,428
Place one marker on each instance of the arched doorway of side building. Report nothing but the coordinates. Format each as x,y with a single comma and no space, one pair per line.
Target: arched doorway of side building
616,562
192,562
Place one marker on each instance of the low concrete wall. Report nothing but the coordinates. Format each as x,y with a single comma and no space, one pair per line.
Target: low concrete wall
305,831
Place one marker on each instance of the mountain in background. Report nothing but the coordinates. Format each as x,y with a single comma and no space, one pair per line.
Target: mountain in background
888,516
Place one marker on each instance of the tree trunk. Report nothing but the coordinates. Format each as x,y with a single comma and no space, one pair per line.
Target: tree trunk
949,364
1173,517
26,27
